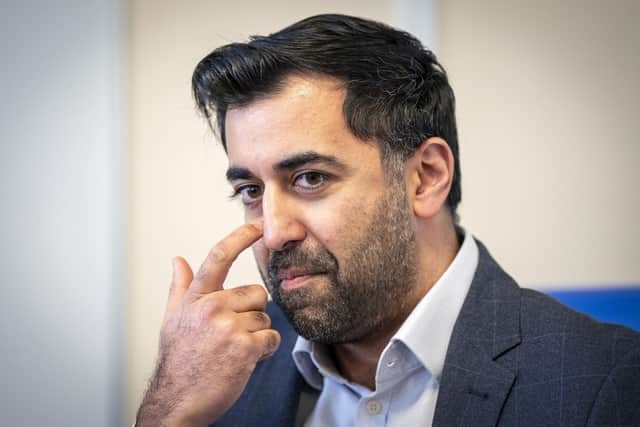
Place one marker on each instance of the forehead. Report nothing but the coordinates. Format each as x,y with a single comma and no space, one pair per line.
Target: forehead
306,115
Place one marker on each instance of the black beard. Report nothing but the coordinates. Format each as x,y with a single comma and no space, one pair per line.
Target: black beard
366,293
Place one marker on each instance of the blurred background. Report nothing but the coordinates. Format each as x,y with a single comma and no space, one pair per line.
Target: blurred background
108,172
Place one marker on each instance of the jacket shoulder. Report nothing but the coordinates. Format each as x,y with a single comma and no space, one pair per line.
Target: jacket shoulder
594,366
543,316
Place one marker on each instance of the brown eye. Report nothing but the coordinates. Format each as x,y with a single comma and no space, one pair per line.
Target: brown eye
310,180
249,193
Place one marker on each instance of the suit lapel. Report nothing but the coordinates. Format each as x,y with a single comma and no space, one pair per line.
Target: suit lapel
476,380
274,402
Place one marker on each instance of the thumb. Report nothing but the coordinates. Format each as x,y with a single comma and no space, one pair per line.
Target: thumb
180,281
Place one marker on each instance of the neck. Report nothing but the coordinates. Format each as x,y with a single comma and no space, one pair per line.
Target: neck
357,361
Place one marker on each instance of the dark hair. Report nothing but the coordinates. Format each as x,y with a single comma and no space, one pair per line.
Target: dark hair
396,91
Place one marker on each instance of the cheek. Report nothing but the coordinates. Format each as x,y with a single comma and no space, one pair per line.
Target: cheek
323,224
251,214
338,226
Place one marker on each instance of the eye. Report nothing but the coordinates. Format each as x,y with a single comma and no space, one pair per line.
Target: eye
310,180
248,193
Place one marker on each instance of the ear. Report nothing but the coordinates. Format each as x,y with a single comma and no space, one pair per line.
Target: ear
429,177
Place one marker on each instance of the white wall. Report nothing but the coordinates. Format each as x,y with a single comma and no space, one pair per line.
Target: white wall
420,18
548,109
61,219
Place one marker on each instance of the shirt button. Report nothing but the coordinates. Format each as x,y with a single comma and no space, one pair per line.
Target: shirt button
391,363
374,407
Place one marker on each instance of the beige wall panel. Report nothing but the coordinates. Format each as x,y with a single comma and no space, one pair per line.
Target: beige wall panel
548,105
178,193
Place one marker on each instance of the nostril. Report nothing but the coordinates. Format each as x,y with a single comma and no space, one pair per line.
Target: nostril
289,245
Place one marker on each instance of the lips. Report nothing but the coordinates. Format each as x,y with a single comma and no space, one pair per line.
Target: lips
293,278
292,273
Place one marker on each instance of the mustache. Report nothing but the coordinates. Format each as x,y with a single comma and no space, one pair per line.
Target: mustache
312,259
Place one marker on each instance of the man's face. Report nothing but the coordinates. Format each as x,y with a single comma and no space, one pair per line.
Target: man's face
339,236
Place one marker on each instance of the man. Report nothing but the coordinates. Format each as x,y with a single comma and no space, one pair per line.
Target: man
342,146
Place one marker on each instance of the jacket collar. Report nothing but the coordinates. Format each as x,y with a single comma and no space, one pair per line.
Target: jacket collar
474,384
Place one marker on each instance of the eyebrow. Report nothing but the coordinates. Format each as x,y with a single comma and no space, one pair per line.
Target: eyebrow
292,162
301,159
237,172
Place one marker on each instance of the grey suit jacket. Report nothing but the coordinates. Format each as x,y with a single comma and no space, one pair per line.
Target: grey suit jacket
516,358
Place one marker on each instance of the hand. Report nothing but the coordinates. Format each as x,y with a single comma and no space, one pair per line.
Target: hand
210,341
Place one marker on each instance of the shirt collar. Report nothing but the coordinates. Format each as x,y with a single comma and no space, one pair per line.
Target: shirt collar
426,331
303,354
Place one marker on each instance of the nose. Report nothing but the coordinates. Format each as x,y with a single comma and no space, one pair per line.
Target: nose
281,223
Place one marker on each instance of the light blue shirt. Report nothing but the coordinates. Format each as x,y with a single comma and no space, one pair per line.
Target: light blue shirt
409,370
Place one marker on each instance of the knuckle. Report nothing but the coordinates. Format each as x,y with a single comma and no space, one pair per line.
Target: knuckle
260,292
201,274
243,233
258,289
218,253
240,292
212,305
224,326
262,318
248,230
204,271
243,345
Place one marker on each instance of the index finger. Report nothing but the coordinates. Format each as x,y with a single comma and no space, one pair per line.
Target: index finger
214,269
